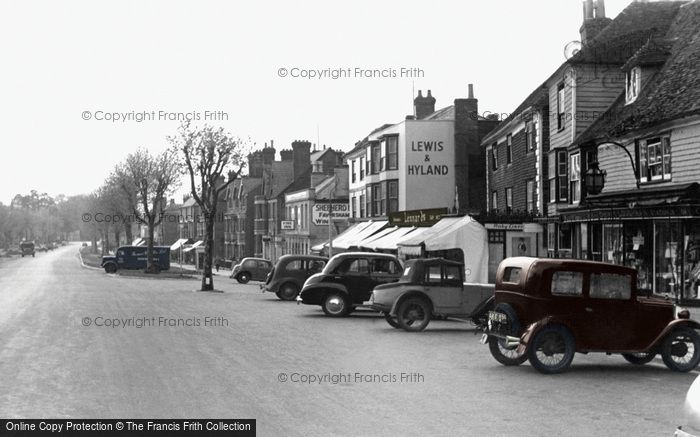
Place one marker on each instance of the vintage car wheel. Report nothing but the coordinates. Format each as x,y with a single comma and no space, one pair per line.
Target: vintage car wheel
414,314
391,321
336,305
551,349
680,350
504,355
288,291
110,268
243,278
640,358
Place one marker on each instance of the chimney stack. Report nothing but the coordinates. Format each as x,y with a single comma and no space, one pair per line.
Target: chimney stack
423,106
286,155
594,20
255,162
469,156
301,153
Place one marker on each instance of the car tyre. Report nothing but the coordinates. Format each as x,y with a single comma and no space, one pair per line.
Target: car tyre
502,354
243,278
288,291
336,305
391,320
110,268
639,359
676,348
414,314
551,349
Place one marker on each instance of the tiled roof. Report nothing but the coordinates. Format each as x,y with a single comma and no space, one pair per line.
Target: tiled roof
672,93
362,143
447,113
538,98
629,31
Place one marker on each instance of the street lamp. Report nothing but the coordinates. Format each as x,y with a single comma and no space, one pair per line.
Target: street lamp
595,177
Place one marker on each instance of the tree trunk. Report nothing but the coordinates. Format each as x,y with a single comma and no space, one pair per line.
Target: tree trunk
94,241
127,231
151,265
117,234
207,277
105,242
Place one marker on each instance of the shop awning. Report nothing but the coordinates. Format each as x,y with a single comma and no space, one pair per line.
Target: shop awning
194,246
138,242
390,240
179,243
348,233
463,233
355,239
367,242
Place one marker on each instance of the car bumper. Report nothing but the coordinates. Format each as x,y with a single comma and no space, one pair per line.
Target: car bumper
382,308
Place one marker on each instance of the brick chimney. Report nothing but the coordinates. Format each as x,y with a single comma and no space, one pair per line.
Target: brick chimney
286,154
423,106
469,156
268,155
301,154
255,164
594,20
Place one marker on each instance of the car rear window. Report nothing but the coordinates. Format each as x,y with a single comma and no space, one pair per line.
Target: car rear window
512,275
567,283
295,265
610,286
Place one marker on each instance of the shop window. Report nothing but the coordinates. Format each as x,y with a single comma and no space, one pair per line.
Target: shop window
575,177
655,159
497,237
392,153
377,162
509,149
567,283
530,136
691,268
565,236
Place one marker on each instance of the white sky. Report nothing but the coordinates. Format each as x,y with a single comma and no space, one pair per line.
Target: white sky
58,59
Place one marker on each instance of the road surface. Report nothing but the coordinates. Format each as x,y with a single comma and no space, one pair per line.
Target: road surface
248,355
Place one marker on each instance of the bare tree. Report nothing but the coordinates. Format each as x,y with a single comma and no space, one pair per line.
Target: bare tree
209,154
146,180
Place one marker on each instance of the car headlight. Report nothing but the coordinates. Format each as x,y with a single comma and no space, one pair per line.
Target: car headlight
682,313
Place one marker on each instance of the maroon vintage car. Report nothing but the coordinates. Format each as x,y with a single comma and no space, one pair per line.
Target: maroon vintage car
548,309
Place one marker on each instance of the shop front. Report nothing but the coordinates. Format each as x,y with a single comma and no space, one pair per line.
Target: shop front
658,234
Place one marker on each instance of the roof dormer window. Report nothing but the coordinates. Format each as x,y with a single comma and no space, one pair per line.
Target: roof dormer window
632,84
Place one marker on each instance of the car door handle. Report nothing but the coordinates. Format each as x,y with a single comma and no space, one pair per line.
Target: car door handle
589,309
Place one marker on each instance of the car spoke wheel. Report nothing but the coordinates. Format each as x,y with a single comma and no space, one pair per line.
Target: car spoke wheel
680,350
391,320
508,356
110,268
288,291
551,349
414,314
336,305
639,358
243,278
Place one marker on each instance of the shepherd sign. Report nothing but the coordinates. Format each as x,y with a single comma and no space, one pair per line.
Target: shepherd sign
341,211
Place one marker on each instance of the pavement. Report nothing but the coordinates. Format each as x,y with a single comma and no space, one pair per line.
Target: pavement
78,343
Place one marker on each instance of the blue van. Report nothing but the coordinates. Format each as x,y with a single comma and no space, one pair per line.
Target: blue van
134,258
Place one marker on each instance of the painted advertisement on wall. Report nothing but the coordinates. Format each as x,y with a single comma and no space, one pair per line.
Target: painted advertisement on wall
428,165
320,213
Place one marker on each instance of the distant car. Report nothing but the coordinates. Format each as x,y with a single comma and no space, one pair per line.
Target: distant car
549,309
289,274
136,257
429,288
251,269
222,263
348,280
27,248
42,248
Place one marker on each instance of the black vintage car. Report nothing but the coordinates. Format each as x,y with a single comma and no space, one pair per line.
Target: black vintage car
348,280
27,248
289,274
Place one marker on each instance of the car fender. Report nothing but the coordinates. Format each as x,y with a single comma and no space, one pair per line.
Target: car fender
322,288
670,327
535,327
409,294
485,305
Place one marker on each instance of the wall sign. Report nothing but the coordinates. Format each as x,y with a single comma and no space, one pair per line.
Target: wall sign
287,225
418,217
320,212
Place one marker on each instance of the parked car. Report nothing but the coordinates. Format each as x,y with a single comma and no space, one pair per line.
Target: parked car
548,309
27,248
248,269
222,263
348,280
41,248
429,288
135,257
289,274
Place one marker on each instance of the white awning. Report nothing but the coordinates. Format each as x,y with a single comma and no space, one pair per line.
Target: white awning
194,246
367,242
390,240
138,242
176,245
355,239
350,233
